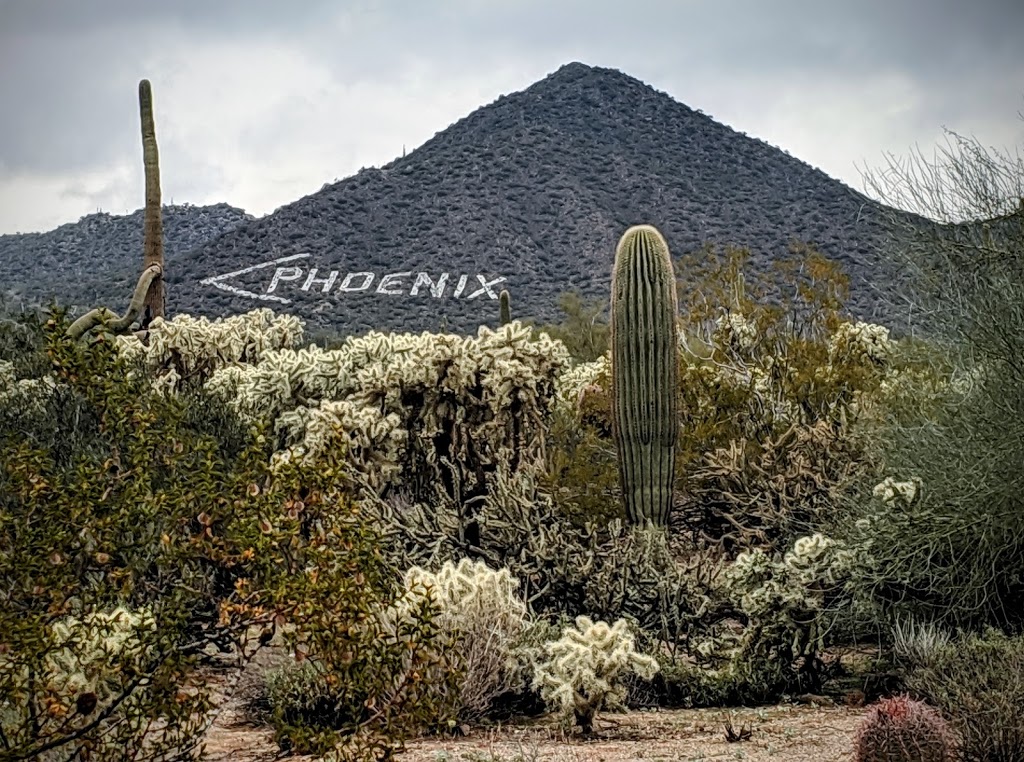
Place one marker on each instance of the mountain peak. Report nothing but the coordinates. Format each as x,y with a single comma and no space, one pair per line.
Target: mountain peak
529,193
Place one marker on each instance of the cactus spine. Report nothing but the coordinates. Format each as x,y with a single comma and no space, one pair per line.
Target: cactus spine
900,729
505,308
153,232
644,373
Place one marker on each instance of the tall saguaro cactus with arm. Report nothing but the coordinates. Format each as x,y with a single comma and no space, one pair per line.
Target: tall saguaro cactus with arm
644,373
153,230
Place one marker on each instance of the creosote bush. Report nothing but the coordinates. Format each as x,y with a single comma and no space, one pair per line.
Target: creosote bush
978,683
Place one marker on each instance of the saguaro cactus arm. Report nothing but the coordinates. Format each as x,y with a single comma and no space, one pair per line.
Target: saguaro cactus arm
153,231
644,373
110,320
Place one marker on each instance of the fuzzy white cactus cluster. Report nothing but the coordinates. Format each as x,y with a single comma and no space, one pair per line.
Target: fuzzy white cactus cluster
789,593
861,341
373,442
29,392
473,591
582,672
891,492
187,345
87,654
572,384
483,611
371,392
734,330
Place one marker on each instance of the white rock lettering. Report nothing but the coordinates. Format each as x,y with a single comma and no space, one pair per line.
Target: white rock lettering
290,280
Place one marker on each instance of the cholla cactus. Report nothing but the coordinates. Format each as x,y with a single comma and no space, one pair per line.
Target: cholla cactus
484,612
196,347
7,377
87,656
439,401
581,673
860,341
901,729
789,595
733,330
891,492
25,392
573,382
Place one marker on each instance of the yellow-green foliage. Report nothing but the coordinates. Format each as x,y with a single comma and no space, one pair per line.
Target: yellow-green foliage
584,671
138,531
483,611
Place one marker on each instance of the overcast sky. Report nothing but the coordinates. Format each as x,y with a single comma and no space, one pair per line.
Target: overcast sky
260,102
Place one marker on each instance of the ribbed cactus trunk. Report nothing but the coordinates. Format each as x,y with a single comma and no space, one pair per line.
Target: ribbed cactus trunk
153,230
504,308
645,373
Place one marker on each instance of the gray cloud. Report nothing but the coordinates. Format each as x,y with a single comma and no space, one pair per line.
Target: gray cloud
260,101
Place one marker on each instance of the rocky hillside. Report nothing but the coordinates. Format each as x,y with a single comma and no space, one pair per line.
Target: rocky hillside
529,193
97,260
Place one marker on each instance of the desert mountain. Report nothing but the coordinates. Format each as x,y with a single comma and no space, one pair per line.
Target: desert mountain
529,193
96,261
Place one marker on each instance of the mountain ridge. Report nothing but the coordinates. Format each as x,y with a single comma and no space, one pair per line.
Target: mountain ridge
530,193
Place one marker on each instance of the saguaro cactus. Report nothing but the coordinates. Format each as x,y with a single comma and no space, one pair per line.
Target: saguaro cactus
644,373
153,231
505,308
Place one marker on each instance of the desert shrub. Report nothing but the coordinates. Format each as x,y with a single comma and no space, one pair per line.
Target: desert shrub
636,575
769,385
918,644
955,554
135,543
901,729
485,616
584,328
948,547
583,671
978,682
365,682
520,530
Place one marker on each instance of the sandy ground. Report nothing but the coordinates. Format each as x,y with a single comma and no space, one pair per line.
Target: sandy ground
785,733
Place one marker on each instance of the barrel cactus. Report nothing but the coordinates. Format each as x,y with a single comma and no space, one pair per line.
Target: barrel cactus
901,729
644,373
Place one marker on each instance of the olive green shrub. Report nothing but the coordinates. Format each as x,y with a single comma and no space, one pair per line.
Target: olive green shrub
978,682
773,381
139,537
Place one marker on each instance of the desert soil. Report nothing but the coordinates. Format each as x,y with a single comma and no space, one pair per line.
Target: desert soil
784,733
